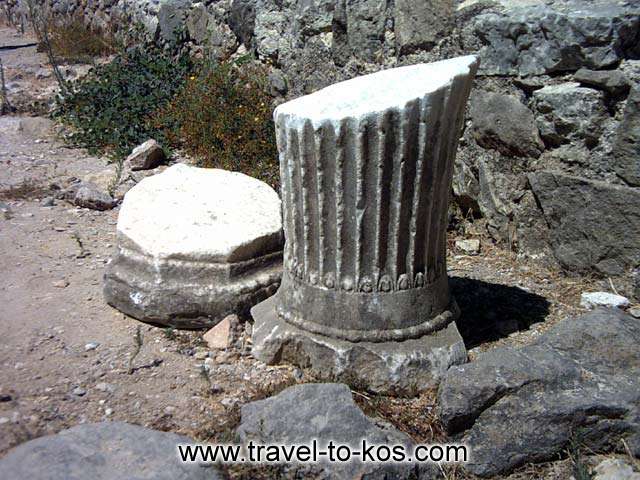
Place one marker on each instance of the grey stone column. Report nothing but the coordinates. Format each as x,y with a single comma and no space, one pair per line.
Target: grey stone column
366,170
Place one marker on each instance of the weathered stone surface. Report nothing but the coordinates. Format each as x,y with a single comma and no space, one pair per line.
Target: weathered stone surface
325,412
108,451
352,272
146,156
503,123
197,23
611,81
406,367
420,24
626,147
568,112
195,245
171,20
523,405
242,19
594,226
534,38
364,25
603,299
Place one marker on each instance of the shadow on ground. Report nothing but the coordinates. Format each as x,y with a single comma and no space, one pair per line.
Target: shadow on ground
491,311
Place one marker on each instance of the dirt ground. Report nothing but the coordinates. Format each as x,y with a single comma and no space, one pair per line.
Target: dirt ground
65,354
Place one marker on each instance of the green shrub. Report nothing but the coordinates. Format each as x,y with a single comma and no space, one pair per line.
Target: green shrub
223,117
109,110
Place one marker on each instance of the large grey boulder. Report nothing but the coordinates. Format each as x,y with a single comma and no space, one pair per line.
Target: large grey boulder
503,123
568,113
195,245
536,38
325,412
516,406
105,451
594,226
627,143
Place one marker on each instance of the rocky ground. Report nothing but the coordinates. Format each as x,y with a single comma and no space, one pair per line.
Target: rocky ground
68,358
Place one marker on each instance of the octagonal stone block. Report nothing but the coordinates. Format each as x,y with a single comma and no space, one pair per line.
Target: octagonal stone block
195,245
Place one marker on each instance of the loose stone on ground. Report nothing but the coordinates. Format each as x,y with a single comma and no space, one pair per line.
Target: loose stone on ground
108,451
516,406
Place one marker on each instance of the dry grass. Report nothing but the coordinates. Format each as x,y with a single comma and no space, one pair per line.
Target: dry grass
72,41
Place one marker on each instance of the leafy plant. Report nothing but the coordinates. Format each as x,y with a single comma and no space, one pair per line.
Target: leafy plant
110,109
223,117
581,470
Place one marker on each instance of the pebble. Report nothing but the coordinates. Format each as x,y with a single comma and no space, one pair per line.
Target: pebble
60,283
209,363
91,346
201,354
104,387
3,420
108,411
5,397
79,392
48,202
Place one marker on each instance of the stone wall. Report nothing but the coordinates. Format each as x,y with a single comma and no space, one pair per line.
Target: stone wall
558,91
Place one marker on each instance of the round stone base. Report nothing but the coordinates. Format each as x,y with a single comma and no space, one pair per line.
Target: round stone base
401,368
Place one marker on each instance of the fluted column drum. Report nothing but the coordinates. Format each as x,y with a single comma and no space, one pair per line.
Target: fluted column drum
366,168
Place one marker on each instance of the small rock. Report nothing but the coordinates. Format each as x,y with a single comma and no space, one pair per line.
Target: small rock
79,392
43,73
146,156
61,283
4,397
634,312
209,363
108,411
592,300
47,202
219,337
90,196
201,353
104,387
468,247
5,210
3,420
278,82
615,469
91,346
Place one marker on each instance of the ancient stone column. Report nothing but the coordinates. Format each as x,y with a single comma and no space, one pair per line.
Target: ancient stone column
366,169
